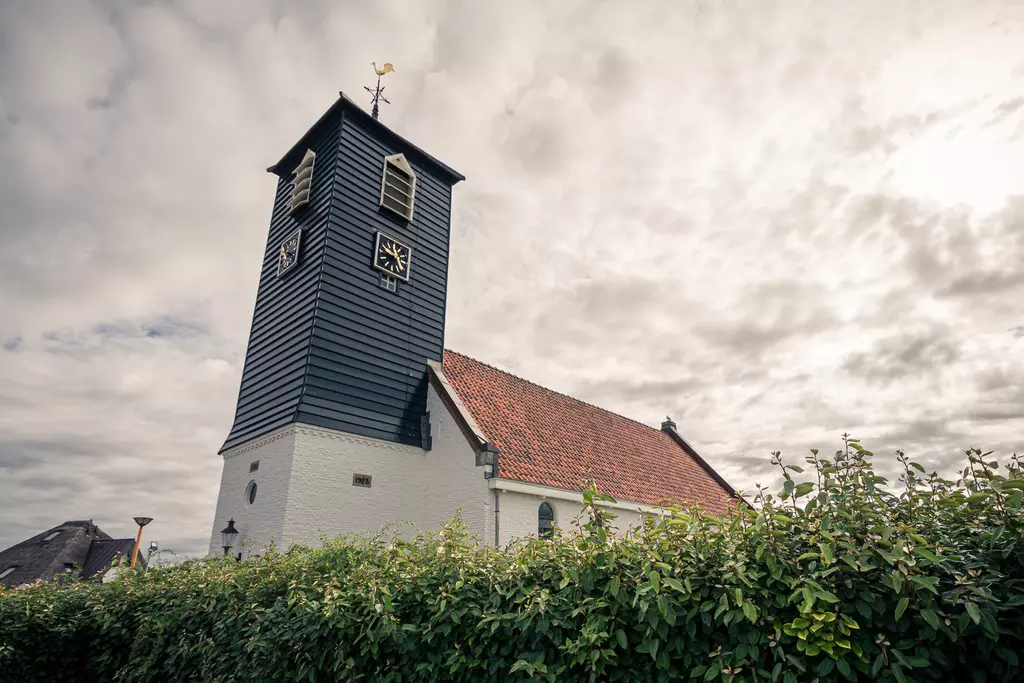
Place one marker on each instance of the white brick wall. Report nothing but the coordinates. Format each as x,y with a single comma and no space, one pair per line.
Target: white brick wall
518,514
305,485
305,488
322,499
453,478
258,522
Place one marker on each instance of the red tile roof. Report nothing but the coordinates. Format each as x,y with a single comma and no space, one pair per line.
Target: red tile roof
547,438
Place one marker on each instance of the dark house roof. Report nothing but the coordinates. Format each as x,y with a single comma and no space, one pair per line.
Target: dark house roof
78,546
543,437
104,553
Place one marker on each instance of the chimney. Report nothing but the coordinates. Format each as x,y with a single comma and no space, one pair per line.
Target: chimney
668,425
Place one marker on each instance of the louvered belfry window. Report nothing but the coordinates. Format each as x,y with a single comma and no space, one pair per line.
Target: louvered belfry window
303,182
398,188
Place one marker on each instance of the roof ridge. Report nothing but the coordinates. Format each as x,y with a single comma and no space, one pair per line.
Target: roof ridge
558,393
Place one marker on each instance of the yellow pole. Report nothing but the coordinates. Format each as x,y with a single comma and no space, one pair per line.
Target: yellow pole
135,553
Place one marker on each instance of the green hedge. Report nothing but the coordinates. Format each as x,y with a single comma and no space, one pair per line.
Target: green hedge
832,579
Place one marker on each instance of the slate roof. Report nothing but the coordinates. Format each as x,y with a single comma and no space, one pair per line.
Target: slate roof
103,553
79,545
544,437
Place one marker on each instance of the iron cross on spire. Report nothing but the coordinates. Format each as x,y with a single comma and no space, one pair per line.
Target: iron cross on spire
378,93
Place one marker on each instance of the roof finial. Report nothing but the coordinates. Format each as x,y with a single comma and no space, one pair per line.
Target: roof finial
668,424
378,93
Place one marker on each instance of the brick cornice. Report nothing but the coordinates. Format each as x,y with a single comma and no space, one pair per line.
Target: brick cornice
275,435
311,430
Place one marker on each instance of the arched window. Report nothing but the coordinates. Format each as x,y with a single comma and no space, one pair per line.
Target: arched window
545,521
252,493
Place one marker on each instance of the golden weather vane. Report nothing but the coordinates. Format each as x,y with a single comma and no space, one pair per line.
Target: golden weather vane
378,93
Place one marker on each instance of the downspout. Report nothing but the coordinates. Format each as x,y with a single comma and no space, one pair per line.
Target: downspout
497,503
497,510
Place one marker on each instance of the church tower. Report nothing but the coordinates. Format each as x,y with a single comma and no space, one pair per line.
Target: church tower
349,311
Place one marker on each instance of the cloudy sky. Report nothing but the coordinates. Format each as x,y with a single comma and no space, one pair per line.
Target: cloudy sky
774,220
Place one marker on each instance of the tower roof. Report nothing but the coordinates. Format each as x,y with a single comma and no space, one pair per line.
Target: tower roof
544,437
345,104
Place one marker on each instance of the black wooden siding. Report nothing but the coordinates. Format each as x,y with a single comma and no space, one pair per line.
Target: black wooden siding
329,346
275,360
370,347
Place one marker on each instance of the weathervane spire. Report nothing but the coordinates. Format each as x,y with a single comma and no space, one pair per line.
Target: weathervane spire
378,93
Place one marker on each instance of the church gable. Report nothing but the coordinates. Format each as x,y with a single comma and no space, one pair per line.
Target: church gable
546,438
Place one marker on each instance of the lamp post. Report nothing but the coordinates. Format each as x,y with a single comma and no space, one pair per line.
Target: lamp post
228,535
141,521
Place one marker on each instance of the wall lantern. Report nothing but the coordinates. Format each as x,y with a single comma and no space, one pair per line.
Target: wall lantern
228,535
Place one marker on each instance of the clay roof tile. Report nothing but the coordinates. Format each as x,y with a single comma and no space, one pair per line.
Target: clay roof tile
544,437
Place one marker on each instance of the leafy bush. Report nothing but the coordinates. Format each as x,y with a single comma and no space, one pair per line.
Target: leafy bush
832,579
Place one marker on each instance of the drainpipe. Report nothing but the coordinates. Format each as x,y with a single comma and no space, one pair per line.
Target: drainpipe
497,496
497,511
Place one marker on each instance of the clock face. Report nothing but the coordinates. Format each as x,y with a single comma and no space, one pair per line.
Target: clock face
288,255
392,257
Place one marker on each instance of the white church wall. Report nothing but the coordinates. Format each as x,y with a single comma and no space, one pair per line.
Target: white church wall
323,499
305,485
305,488
453,478
264,519
518,512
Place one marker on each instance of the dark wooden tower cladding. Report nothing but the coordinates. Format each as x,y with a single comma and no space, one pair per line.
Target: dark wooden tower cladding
330,346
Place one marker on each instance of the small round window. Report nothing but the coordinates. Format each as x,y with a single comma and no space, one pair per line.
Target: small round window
252,493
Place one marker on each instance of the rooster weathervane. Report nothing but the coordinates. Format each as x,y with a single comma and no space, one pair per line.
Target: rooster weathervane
378,93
